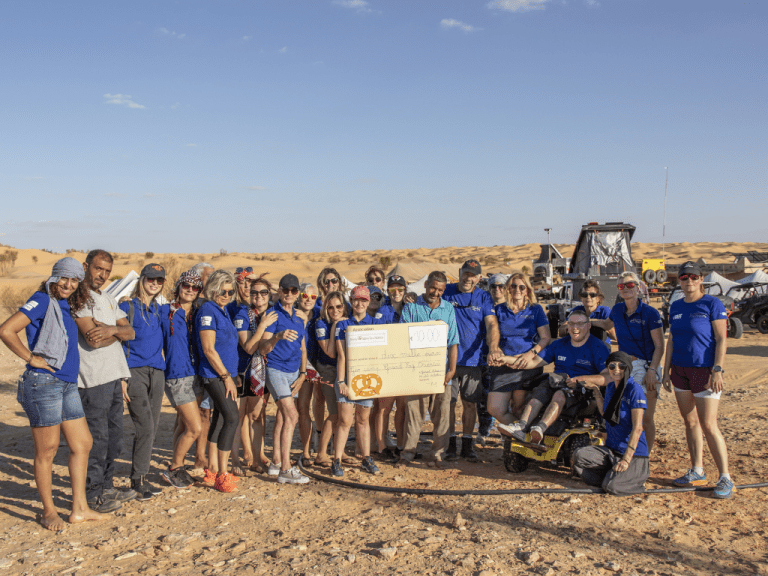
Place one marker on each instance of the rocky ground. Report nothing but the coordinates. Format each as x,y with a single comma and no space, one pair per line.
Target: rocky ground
323,529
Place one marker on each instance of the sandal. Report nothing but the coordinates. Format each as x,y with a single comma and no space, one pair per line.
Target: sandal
240,470
323,463
256,468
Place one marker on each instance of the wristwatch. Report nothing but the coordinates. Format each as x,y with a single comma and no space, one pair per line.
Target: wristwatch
717,369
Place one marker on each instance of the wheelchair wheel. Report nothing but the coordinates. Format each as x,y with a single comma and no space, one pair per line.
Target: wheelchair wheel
576,442
514,462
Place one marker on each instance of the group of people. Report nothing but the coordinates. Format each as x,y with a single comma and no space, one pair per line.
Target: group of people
227,342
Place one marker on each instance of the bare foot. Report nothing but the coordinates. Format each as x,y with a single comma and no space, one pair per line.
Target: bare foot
52,521
86,515
201,463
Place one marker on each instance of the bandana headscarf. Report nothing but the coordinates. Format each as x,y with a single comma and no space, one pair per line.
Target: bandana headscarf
53,340
612,410
190,277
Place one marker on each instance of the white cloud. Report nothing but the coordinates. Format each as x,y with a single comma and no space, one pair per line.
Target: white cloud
449,23
246,38
359,5
256,188
113,195
122,99
517,5
593,3
283,50
166,32
191,145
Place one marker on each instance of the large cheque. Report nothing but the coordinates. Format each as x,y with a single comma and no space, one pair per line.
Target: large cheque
387,360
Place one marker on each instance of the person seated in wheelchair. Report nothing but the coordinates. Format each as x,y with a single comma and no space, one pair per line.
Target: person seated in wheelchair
580,357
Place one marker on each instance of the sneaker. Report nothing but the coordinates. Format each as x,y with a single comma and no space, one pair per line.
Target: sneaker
368,465
119,495
691,478
209,479
174,477
467,451
451,453
537,434
389,455
274,469
724,488
185,477
336,468
225,483
292,476
103,505
511,429
142,489
156,490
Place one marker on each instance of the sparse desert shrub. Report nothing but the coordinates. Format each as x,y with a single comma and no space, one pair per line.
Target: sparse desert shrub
13,297
34,259
125,263
8,261
334,260
173,269
149,254
411,254
222,252
385,262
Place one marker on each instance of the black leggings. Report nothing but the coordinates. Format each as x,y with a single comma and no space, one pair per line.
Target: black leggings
225,415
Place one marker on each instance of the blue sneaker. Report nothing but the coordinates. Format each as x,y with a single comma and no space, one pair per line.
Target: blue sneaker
690,478
369,466
724,488
336,468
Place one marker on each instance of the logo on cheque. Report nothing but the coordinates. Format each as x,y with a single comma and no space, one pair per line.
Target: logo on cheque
366,385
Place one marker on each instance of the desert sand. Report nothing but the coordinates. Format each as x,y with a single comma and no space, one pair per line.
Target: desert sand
267,528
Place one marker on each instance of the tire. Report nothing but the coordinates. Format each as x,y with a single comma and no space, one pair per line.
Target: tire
577,442
735,328
514,462
649,276
661,276
762,323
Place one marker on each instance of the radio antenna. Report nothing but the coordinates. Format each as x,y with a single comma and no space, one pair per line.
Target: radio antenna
664,225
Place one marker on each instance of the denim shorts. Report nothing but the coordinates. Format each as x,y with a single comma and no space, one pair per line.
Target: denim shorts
279,383
341,399
182,391
47,400
207,403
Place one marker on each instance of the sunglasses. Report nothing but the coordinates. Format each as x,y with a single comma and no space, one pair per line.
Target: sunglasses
160,281
227,293
497,286
691,277
576,324
518,287
337,307
400,290
240,270
293,290
308,296
263,293
374,279
330,281
588,294
626,285
188,286
377,297
617,366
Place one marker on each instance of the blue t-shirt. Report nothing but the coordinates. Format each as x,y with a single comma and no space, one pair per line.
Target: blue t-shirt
178,358
471,310
35,310
212,317
312,347
599,313
519,332
239,314
693,339
618,434
286,356
587,359
387,315
322,331
341,327
634,331
146,349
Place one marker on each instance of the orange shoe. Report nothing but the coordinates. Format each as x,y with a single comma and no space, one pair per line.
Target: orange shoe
225,483
209,479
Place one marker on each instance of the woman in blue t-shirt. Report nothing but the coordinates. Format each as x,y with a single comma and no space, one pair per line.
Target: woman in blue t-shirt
694,367
217,345
48,388
182,386
621,466
333,311
592,298
306,304
523,333
144,391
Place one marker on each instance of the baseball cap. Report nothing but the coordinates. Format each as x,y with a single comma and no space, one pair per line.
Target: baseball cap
361,293
689,267
472,266
396,279
289,281
153,270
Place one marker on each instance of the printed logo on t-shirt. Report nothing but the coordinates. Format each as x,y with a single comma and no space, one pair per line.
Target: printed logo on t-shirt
320,333
583,362
641,401
723,313
561,358
206,320
30,305
239,323
677,317
378,316
700,315
338,330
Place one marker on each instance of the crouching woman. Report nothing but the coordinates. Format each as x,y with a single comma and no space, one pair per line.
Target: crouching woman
621,466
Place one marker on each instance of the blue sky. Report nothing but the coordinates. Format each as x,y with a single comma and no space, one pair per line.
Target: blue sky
272,126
